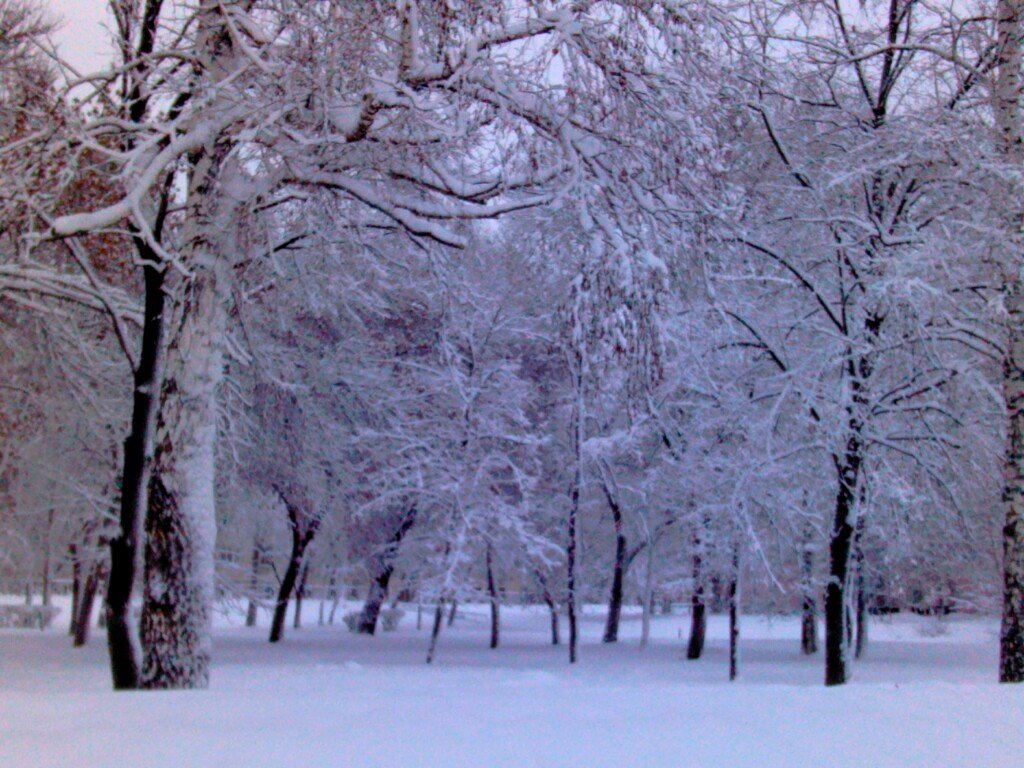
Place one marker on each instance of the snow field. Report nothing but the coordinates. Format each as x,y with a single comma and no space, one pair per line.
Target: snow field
923,696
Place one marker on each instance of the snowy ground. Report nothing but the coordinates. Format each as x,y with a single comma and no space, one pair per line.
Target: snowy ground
923,696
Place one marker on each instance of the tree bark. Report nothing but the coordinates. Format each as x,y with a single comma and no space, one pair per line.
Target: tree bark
575,494
47,558
860,612
836,662
76,586
1007,90
88,599
698,616
291,575
126,550
809,608
385,565
734,613
251,612
181,525
300,594
435,633
611,627
492,593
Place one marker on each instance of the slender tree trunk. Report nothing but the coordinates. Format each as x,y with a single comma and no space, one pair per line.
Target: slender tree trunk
76,586
47,557
860,613
611,627
126,550
300,594
285,589
181,525
698,616
553,611
1007,91
809,609
89,590
734,613
435,633
842,534
333,595
861,633
579,418
648,597
252,611
492,593
385,565
836,614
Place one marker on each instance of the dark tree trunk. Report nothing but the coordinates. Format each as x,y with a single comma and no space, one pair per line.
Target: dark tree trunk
452,612
254,583
841,539
734,614
435,633
88,599
285,589
492,594
698,616
334,595
76,587
126,552
47,557
300,594
611,627
570,565
385,566
836,613
809,611
860,612
303,528
575,492
553,610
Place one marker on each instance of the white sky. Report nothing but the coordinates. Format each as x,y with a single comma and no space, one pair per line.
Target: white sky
81,36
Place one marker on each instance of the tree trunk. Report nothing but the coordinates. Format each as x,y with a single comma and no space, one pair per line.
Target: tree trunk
300,595
452,612
88,599
809,608
734,613
492,593
47,558
698,617
860,613
579,418
648,598
836,614
76,587
435,633
333,595
126,550
285,589
611,627
553,611
1007,91
385,566
181,525
251,612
